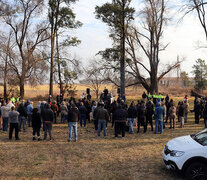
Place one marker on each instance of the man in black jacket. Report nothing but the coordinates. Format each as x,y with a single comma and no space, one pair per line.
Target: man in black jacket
73,119
22,116
48,117
120,117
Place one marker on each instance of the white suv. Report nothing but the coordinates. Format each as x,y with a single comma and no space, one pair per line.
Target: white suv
188,154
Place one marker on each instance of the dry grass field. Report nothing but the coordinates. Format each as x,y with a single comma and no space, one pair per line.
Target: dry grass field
138,156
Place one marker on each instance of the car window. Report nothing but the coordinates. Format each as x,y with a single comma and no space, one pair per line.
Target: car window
201,137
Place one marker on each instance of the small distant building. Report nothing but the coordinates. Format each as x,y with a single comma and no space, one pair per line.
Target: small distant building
173,81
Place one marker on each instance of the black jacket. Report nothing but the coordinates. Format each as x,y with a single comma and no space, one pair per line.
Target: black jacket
47,114
36,121
82,110
120,115
73,115
22,110
132,112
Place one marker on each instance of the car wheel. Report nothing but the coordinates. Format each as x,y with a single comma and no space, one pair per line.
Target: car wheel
196,171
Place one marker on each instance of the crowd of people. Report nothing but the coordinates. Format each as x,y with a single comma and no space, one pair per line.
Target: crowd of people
21,115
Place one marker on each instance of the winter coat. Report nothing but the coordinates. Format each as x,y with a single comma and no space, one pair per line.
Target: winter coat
181,111
13,116
5,111
120,115
172,112
159,113
132,112
63,109
36,121
82,110
29,109
102,114
22,110
47,114
73,115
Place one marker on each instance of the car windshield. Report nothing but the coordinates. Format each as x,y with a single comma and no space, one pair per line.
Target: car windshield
201,137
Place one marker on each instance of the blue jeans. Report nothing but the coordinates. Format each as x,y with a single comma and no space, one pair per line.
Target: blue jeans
100,122
22,119
158,123
131,124
63,118
83,118
5,123
73,126
29,119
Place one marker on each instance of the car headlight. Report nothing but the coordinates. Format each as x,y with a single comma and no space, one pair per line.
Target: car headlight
176,153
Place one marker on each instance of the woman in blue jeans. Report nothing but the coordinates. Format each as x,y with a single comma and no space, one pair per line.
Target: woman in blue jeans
132,114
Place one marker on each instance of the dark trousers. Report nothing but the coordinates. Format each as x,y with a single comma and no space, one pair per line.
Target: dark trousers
55,118
120,126
197,117
149,120
48,128
142,122
12,127
88,117
29,119
36,130
83,118
96,124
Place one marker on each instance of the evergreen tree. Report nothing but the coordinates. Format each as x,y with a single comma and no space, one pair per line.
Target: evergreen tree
200,72
117,15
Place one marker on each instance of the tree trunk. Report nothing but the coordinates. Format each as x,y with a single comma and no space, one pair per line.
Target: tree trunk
154,81
122,61
52,63
59,68
21,87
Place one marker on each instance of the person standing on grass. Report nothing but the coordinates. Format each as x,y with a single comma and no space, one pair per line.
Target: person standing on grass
205,115
63,111
88,107
172,115
83,113
159,116
5,116
54,108
36,124
142,117
132,114
29,113
13,119
120,117
186,109
48,117
94,112
22,116
102,117
149,114
197,110
73,119
181,114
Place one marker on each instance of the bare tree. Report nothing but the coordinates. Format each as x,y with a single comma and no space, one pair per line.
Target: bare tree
199,7
27,62
148,40
95,76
